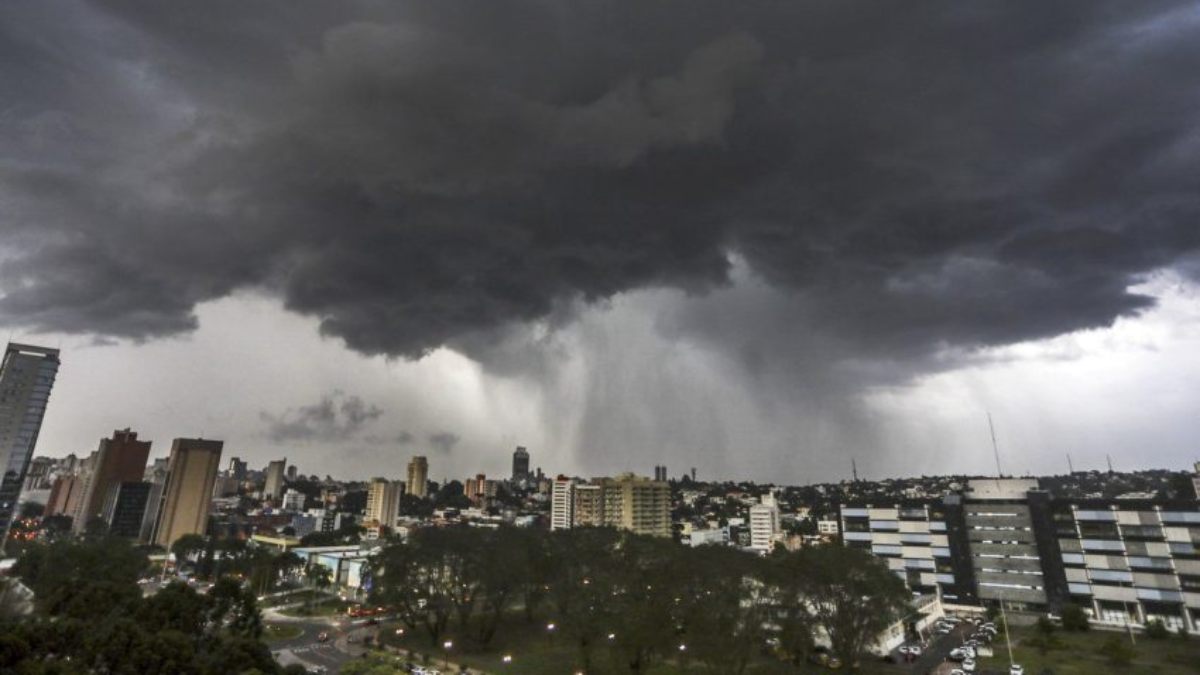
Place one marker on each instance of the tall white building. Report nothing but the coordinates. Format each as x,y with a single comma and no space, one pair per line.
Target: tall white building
562,504
764,525
383,501
26,377
293,500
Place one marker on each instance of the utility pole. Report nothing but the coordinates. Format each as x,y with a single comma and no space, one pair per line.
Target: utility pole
1007,639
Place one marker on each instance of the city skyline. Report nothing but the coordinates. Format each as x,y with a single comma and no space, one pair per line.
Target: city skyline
756,239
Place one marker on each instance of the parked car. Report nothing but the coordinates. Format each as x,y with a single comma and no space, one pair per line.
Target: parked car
1016,669
968,665
322,637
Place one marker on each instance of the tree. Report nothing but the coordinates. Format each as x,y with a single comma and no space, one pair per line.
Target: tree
233,610
723,622
852,595
319,577
188,546
1157,630
1074,618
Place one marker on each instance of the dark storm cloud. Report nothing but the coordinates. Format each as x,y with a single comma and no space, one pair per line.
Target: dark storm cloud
335,417
909,177
444,441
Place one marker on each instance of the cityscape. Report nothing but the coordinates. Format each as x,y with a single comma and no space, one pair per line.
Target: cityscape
599,337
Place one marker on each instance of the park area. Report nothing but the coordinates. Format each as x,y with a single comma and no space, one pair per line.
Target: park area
1097,652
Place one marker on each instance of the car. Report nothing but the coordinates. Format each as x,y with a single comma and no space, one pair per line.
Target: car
322,636
968,665
952,619
958,671
942,630
915,650
957,654
351,639
1016,669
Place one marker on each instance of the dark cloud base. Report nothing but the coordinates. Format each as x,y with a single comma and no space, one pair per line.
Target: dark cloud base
913,178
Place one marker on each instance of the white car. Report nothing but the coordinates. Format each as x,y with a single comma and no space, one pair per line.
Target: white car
1016,670
915,650
969,665
957,671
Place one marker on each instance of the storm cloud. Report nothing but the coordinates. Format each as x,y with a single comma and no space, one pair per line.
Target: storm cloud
898,183
336,417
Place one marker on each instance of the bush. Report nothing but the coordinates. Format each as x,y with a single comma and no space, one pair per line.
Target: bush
1157,630
1117,651
1045,626
1074,618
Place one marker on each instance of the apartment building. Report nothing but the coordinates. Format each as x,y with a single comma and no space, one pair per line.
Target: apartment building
1006,541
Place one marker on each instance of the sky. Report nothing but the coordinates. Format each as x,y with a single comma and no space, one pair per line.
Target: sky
760,239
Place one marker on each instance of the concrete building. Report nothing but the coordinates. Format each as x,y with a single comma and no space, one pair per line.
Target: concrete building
60,494
187,492
237,468
418,476
125,507
383,501
293,500
660,472
475,489
637,504
520,466
120,459
764,525
273,487
562,504
588,505
26,377
1123,560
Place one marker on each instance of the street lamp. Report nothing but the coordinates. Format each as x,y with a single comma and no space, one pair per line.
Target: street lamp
507,658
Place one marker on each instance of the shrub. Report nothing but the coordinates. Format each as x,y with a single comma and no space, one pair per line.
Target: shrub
1045,626
1157,630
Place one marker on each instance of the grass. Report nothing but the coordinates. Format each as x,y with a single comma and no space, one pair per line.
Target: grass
276,632
537,652
1080,654
290,598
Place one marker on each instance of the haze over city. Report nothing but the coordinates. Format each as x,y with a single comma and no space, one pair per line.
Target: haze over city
734,236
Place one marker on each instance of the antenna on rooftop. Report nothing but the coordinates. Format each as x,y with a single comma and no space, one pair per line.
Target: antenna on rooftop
1109,458
854,469
995,448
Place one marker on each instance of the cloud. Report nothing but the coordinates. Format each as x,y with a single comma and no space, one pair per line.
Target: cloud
898,184
337,417
444,441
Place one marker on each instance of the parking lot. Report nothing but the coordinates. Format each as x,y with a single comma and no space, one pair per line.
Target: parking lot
935,655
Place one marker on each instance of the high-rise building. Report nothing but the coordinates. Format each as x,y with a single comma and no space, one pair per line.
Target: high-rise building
237,468
125,507
418,476
37,477
660,472
562,504
475,489
589,505
293,500
26,378
187,493
637,504
383,501
273,488
520,466
60,494
764,525
156,476
120,459
292,472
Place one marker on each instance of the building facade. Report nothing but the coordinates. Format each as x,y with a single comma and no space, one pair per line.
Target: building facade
637,504
187,491
125,507
764,525
562,504
383,501
1008,542
418,476
273,485
26,377
520,466
120,459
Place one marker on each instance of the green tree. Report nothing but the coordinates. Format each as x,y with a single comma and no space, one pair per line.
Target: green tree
187,546
1074,618
581,588
233,609
723,622
853,596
